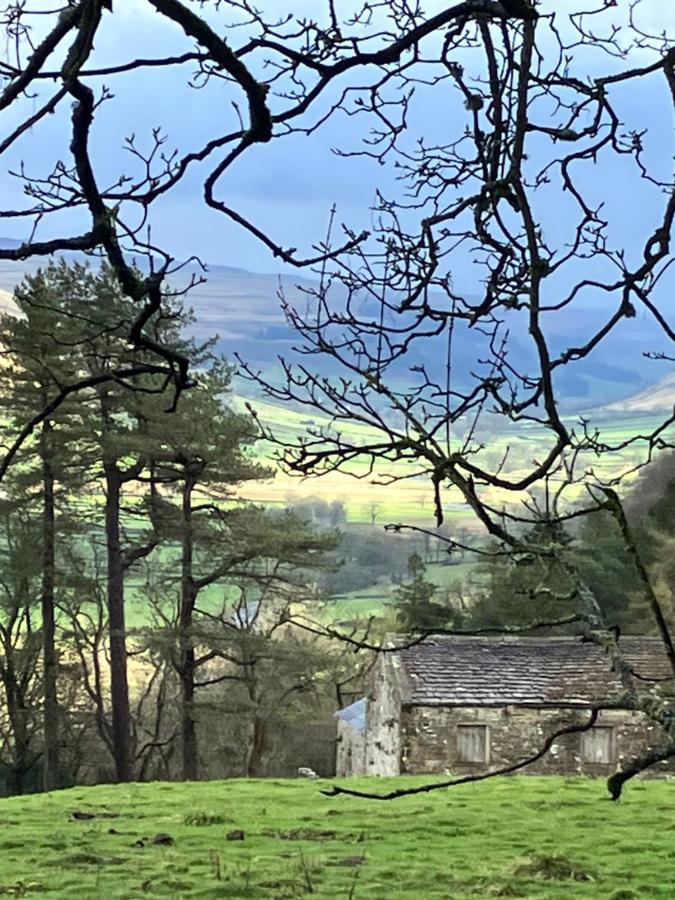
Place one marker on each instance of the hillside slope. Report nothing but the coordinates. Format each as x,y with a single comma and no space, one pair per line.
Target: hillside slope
659,397
544,838
243,308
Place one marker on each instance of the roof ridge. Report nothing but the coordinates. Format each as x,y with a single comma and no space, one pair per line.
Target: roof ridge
509,638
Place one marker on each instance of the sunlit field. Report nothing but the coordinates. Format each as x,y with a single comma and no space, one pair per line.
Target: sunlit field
411,500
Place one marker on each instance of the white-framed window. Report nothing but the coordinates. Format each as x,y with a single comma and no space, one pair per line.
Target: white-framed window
597,745
473,744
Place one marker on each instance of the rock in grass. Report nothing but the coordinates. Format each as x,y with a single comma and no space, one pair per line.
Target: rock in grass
236,835
202,819
163,840
159,840
306,834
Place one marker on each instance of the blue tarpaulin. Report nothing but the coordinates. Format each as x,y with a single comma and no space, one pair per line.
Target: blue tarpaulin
354,715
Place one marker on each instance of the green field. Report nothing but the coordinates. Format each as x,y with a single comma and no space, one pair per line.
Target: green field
376,599
545,838
363,603
410,500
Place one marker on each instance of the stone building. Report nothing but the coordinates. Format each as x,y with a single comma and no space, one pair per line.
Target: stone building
467,705
350,757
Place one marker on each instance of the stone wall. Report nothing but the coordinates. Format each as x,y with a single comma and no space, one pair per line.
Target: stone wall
429,739
383,720
350,754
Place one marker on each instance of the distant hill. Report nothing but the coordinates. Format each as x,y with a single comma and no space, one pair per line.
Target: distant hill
611,386
659,397
243,309
6,302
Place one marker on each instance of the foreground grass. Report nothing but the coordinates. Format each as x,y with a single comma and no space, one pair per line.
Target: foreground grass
520,837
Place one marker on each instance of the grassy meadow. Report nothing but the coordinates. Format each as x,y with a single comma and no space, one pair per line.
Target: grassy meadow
544,838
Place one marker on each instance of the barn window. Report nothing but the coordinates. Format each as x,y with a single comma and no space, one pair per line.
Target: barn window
472,743
596,745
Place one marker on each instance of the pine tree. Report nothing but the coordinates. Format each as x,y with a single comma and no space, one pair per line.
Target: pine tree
120,420
73,328
609,572
163,477
196,460
38,360
221,539
531,587
417,610
20,561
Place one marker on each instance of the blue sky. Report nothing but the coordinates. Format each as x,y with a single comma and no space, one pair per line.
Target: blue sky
288,186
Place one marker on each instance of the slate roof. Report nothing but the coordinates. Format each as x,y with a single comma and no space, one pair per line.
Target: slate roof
527,671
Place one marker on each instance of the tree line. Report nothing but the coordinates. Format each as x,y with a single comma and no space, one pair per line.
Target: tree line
145,604
509,590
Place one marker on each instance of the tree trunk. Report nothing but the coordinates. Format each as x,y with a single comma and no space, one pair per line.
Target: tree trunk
50,777
188,728
119,686
186,649
257,748
160,707
254,768
17,713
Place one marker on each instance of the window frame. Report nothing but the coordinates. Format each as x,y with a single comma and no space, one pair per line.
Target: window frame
486,743
609,730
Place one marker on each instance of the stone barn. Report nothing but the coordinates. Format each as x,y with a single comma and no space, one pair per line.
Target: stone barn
466,705
351,748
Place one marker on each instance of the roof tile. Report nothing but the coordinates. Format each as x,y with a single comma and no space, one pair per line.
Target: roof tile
522,670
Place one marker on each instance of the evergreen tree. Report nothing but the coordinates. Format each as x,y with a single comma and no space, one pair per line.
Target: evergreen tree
20,563
38,357
541,587
221,539
144,476
417,610
122,420
526,589
73,328
605,567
